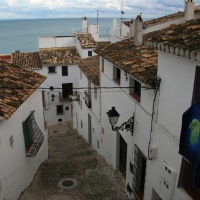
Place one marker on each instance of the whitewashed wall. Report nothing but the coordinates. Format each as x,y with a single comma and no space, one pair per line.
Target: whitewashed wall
81,112
125,30
177,75
126,106
56,41
94,30
16,170
83,52
56,80
164,25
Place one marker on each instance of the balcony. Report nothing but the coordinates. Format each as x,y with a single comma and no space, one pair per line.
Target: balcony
63,98
88,100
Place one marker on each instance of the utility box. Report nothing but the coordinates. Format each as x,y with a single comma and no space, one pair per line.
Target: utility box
167,181
168,173
152,151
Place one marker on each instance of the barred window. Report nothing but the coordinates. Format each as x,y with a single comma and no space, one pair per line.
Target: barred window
33,136
139,171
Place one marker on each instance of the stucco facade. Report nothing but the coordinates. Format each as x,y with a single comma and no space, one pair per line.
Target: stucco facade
56,80
16,170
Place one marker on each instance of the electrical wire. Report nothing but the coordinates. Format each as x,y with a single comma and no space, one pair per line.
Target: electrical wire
158,80
75,88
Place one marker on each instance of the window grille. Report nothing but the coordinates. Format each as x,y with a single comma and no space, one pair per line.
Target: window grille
52,70
33,136
59,109
64,70
89,53
139,171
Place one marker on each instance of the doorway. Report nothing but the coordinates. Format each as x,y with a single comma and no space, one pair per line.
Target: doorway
122,156
89,130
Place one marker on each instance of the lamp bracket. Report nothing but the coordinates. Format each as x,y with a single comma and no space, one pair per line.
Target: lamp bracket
128,126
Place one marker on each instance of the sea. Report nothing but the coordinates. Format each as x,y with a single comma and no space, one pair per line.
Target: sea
22,34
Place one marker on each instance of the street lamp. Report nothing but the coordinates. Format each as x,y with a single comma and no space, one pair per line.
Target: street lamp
113,117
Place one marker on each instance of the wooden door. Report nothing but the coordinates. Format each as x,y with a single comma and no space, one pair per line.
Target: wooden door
123,156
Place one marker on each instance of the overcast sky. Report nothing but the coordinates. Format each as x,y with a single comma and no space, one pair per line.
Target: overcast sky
22,9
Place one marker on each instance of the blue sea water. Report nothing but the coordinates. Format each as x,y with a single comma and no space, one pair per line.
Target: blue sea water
22,34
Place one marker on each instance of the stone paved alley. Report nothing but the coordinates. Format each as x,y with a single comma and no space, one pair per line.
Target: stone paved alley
71,157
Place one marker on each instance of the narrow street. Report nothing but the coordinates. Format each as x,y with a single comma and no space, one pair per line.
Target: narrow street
86,175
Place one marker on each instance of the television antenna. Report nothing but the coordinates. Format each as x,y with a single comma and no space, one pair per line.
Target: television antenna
98,11
122,13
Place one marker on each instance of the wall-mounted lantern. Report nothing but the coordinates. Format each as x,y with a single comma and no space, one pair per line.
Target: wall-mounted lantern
113,117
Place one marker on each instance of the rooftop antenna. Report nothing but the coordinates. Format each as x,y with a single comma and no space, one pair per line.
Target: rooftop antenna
98,19
122,12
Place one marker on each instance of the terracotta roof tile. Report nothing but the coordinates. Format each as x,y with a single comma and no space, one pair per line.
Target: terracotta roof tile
140,62
86,40
182,40
11,78
5,57
163,19
59,56
90,67
30,60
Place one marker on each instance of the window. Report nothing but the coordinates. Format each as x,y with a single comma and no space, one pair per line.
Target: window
11,140
102,65
80,74
33,136
67,108
43,99
64,70
196,90
135,89
81,124
89,53
98,144
67,89
189,180
95,93
52,70
139,171
116,75
59,109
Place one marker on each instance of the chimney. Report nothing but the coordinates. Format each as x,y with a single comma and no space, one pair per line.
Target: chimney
114,28
84,25
189,9
131,28
138,31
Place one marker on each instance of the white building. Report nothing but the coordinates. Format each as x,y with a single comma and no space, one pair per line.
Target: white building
21,119
87,110
58,59
149,157
170,174
190,12
59,65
